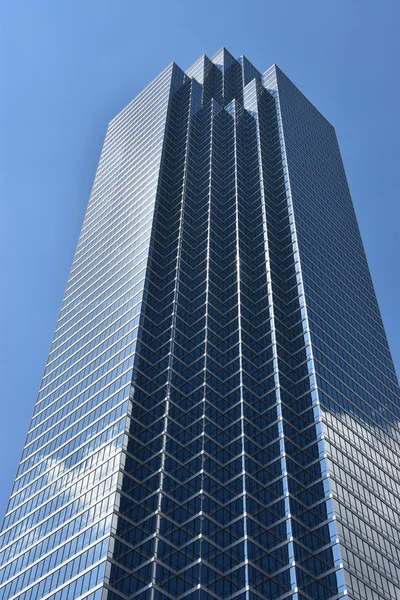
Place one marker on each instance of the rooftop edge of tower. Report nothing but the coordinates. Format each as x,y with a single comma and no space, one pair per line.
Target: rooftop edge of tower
197,69
248,69
268,78
274,77
223,59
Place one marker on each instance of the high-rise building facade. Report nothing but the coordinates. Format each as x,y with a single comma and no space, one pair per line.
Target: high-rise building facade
219,412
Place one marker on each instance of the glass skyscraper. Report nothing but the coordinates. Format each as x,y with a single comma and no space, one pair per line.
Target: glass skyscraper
219,412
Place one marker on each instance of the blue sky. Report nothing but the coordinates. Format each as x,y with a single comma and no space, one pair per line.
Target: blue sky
69,66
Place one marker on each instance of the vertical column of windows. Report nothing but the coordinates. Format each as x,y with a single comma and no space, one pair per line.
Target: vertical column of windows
311,514
176,571
223,525
136,540
68,474
283,554
355,375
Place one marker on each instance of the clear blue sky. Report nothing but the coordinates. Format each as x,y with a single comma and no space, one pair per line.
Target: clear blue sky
68,66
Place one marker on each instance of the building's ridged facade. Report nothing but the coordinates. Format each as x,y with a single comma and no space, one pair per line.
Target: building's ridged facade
218,416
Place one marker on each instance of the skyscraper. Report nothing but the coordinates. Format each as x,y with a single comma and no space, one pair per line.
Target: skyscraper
219,412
